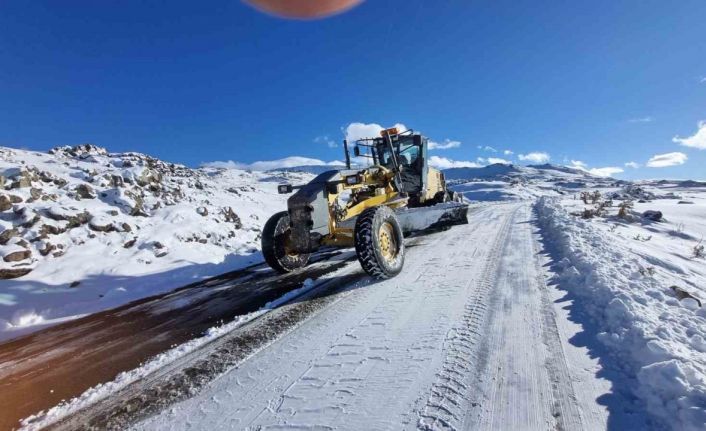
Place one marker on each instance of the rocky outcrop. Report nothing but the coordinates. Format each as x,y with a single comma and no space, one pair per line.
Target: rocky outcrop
84,191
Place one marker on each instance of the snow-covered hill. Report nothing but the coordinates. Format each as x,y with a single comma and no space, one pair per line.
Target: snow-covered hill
82,229
500,182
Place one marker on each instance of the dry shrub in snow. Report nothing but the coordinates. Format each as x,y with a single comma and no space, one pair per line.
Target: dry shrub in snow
698,250
624,208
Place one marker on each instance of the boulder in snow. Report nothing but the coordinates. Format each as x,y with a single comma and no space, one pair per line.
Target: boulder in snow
8,234
5,203
8,273
84,191
652,215
15,253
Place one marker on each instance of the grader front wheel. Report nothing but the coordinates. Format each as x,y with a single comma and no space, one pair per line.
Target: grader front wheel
379,242
275,248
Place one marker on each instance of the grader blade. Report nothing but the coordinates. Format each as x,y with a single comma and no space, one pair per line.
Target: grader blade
434,217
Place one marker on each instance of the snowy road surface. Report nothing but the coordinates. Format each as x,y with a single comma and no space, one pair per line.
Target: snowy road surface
466,337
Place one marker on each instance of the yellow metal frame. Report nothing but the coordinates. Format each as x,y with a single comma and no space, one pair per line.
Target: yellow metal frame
377,177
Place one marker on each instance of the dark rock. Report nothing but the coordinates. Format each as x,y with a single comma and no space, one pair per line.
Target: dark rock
8,273
48,248
99,226
28,216
85,191
683,294
130,243
202,211
126,227
5,203
49,229
46,177
17,256
15,199
685,202
231,217
113,212
74,220
7,234
652,215
74,284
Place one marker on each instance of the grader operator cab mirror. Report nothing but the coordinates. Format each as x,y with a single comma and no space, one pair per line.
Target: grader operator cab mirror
284,189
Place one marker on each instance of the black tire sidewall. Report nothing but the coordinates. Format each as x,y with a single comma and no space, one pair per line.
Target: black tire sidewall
367,242
273,245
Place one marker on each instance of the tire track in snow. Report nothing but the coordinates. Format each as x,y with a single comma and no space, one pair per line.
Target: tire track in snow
445,408
522,379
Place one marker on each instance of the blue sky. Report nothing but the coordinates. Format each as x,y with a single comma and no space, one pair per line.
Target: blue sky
600,82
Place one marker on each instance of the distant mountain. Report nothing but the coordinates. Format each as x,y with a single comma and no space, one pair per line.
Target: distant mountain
309,169
503,172
558,168
497,170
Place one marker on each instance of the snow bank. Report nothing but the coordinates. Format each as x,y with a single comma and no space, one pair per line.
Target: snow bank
656,341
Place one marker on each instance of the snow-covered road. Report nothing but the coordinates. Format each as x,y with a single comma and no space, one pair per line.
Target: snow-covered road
465,338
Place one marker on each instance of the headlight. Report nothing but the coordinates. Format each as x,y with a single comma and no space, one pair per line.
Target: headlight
283,189
352,180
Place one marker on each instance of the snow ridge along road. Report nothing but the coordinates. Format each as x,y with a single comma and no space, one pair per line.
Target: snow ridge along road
463,338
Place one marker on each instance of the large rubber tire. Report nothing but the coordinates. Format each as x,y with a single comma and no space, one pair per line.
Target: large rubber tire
273,240
379,242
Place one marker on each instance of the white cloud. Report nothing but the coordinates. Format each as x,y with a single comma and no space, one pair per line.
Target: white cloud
355,131
445,145
601,172
326,140
697,140
287,162
607,171
508,152
535,157
668,159
641,120
578,164
702,80
633,165
487,148
445,163
493,160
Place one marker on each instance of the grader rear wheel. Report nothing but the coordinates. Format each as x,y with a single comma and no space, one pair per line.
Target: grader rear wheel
379,242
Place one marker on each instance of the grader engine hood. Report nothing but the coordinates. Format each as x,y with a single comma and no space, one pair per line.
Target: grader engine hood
308,210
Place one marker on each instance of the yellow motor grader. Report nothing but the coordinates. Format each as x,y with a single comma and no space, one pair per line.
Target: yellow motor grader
370,208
